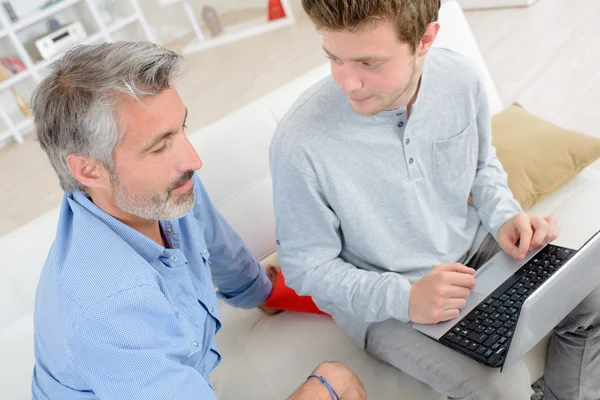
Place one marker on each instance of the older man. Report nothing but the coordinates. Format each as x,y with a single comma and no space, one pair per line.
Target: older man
126,306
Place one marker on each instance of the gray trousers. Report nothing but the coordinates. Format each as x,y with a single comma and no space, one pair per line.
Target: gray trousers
572,370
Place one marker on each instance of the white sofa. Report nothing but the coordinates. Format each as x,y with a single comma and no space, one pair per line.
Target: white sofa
265,357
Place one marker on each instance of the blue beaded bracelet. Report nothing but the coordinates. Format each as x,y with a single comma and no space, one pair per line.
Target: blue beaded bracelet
334,395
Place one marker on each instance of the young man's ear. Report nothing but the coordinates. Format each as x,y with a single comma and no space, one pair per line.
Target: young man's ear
89,172
428,38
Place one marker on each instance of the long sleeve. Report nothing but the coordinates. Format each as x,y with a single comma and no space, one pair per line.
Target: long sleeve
490,192
309,244
235,272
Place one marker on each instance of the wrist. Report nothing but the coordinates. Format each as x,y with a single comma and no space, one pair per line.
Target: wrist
312,389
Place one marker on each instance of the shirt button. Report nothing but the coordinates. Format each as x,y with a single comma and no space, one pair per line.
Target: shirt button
173,258
407,141
212,309
411,160
400,124
204,251
195,343
170,229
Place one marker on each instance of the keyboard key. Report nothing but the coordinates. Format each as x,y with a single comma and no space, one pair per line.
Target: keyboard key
502,310
465,343
477,337
495,346
480,350
463,324
503,298
457,339
504,317
473,325
509,333
491,340
456,329
497,324
509,324
490,301
508,303
487,322
465,332
489,331
502,340
497,356
515,297
488,353
495,316
497,303
511,310
502,331
473,346
479,329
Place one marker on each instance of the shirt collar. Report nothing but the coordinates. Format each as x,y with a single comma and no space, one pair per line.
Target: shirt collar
144,246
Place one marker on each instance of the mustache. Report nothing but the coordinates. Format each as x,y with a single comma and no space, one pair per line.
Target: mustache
184,178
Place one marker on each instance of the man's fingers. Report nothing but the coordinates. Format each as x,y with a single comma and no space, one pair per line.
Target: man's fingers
523,226
460,279
540,232
456,267
447,315
458,291
553,229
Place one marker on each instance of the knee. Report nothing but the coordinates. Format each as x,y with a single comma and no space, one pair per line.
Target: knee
491,384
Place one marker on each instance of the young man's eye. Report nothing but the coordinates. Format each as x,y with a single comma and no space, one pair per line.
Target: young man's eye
333,59
368,64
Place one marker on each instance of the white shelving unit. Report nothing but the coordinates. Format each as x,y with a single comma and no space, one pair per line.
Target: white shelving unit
230,34
130,24
483,4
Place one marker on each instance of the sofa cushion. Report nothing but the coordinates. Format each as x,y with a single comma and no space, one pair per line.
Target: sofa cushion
538,156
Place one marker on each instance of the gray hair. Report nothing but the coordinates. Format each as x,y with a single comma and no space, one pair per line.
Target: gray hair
74,105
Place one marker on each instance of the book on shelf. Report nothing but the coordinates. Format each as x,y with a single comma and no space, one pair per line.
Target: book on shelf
10,66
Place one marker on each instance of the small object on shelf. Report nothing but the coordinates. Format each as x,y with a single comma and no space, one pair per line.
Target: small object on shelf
10,11
49,3
5,73
211,20
57,41
52,24
276,10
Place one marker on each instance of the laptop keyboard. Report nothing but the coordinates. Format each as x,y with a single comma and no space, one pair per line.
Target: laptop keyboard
486,332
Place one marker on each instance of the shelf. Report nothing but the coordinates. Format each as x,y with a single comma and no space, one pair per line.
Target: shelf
38,16
13,80
121,23
197,45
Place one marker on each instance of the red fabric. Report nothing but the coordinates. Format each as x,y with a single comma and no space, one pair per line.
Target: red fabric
276,10
285,298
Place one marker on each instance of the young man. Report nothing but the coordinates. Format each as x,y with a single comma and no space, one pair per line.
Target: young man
126,305
372,171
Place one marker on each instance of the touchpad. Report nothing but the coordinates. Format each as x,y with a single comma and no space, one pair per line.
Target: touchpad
493,273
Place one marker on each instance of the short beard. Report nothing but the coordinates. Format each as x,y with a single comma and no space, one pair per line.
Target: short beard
158,207
389,105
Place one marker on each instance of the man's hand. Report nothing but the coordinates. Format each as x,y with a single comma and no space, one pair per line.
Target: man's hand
440,295
345,383
272,272
530,230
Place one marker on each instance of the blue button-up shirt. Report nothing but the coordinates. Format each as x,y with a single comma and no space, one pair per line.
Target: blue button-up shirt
117,316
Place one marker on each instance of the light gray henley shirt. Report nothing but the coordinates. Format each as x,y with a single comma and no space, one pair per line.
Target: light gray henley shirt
365,206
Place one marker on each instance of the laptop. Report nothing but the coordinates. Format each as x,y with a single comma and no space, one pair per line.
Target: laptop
516,303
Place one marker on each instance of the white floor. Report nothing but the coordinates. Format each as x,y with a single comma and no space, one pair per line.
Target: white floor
545,56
